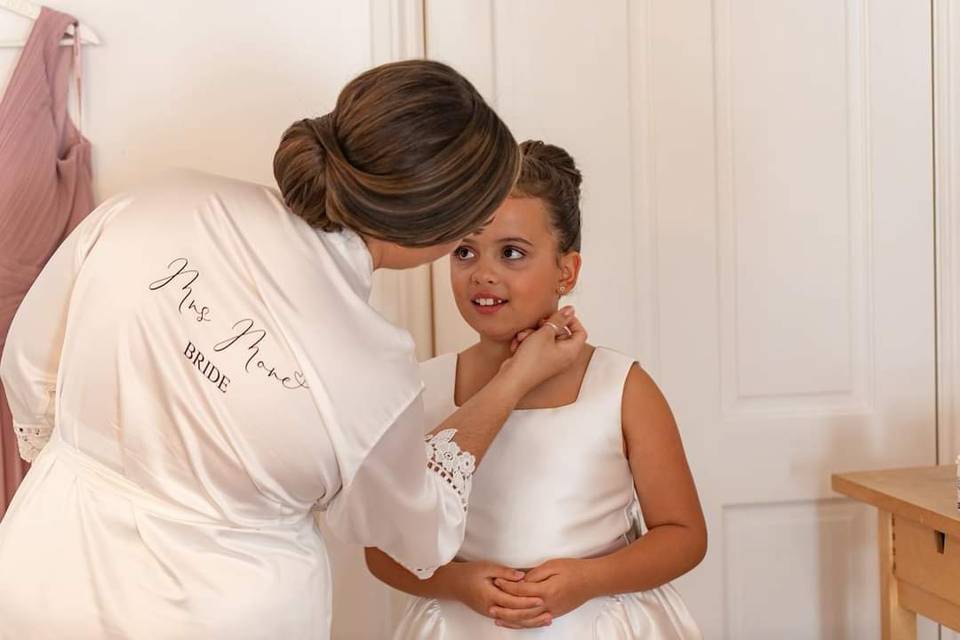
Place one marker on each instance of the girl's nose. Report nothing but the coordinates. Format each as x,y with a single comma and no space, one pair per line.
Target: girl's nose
483,276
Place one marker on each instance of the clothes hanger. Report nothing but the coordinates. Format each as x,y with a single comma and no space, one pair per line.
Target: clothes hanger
31,10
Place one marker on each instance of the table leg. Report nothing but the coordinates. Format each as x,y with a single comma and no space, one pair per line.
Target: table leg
896,623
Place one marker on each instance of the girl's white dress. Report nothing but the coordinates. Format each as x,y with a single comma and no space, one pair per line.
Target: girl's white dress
195,372
554,484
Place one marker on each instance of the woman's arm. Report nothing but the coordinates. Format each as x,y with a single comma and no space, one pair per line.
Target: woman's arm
417,516
31,351
541,356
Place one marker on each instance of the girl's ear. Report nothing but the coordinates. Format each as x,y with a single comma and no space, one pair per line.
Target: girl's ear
570,263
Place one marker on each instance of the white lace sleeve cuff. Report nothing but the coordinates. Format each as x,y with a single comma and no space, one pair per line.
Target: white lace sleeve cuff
31,440
446,459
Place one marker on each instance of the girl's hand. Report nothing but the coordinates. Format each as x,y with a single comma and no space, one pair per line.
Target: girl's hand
472,583
544,353
562,584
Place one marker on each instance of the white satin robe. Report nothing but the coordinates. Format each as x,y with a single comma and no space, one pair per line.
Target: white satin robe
208,372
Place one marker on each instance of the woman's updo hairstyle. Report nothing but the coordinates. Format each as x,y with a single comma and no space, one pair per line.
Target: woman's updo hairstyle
410,154
549,173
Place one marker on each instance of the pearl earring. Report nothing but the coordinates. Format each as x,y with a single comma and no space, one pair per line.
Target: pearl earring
561,290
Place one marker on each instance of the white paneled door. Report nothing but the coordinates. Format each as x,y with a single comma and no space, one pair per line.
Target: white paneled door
759,233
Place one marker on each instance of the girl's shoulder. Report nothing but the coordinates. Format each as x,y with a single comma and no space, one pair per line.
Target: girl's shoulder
612,358
607,372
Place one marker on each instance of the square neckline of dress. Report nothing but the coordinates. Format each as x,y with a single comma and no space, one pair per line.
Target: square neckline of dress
583,385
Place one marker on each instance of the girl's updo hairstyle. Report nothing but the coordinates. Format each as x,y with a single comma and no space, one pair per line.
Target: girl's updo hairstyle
549,173
411,154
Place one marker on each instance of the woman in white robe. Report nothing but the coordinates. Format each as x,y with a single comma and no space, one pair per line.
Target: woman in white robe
197,369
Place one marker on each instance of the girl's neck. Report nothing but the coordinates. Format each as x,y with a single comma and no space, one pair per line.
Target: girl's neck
491,352
479,364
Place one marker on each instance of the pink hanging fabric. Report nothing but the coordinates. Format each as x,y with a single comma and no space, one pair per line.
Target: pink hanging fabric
45,186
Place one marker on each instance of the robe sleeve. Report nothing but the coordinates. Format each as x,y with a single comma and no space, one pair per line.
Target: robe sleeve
408,496
31,356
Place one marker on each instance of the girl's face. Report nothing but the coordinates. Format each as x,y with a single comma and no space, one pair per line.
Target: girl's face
507,276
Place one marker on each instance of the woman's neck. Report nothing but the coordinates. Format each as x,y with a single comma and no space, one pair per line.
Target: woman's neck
375,248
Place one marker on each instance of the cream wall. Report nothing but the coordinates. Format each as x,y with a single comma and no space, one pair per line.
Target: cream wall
209,85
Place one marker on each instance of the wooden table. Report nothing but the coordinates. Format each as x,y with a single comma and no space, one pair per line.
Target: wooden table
919,542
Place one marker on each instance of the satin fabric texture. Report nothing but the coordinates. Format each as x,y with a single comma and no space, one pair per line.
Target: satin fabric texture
201,372
554,484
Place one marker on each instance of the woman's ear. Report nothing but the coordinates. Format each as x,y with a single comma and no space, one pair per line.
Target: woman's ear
569,272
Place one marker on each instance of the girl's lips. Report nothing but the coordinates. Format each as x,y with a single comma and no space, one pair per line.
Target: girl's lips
488,309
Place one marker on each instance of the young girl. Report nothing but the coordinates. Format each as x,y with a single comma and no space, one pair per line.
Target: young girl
553,539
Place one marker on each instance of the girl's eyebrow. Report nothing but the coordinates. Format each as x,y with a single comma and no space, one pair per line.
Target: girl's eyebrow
513,239
517,240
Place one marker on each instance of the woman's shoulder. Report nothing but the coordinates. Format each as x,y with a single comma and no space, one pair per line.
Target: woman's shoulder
190,184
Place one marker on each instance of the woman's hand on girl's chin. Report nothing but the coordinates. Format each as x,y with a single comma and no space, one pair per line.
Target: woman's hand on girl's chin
541,354
526,333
